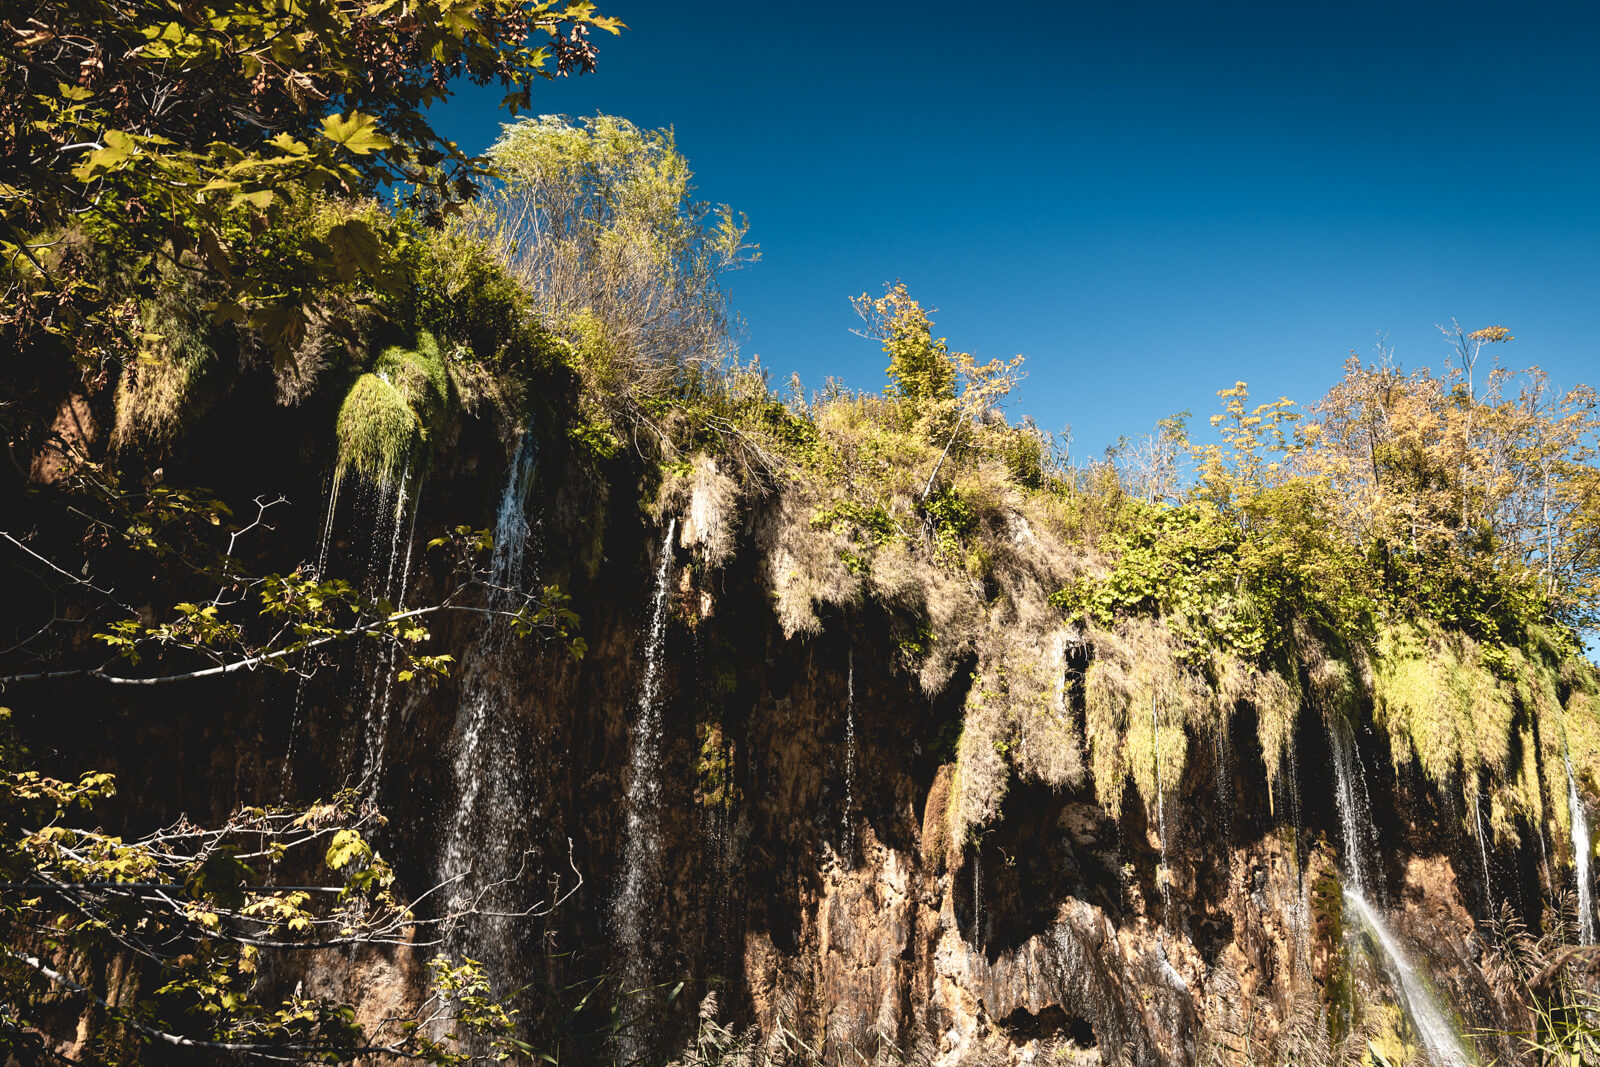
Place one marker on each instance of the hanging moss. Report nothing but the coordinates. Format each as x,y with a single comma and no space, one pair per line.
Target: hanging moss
1141,703
378,431
393,411
157,395
420,377
1423,699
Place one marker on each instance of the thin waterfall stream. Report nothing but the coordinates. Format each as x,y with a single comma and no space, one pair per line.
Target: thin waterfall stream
482,850
641,846
1579,819
395,581
850,761
1439,1038
1164,874
1483,849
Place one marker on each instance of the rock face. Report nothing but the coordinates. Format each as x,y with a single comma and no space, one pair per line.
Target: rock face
810,878
836,918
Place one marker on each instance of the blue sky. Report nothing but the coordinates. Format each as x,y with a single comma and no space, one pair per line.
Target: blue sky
1147,200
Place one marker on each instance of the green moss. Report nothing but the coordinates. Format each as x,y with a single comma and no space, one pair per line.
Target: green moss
715,788
392,412
419,376
378,432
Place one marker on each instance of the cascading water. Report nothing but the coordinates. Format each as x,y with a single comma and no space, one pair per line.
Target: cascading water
484,846
395,581
850,761
1439,1039
1579,819
1483,851
1164,874
300,685
1355,808
1223,752
385,506
641,844
977,896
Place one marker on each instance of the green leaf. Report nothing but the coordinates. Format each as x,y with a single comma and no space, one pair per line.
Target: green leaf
355,249
357,133
346,847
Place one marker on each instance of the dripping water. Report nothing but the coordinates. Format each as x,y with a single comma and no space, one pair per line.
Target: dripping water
850,760
1299,909
977,897
483,844
1483,850
1355,807
298,712
641,845
1580,858
1224,775
1439,1038
395,581
1164,873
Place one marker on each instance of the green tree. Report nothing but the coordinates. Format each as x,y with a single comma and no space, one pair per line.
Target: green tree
598,221
175,134
948,393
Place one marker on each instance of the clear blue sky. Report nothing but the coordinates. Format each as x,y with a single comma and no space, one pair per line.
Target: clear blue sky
1147,200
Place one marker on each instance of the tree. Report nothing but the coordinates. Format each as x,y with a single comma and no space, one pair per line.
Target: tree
174,134
191,918
947,392
1465,478
188,187
597,220
197,919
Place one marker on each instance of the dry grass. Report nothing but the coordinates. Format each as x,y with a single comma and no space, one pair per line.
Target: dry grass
804,567
706,502
1140,701
153,398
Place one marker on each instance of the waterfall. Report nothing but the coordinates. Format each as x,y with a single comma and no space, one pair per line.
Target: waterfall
298,712
395,581
1355,808
483,844
1438,1036
1580,858
631,901
1164,873
849,849
386,505
1223,752
977,897
1483,849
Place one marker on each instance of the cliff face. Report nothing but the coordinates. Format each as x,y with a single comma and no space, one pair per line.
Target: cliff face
801,863
812,803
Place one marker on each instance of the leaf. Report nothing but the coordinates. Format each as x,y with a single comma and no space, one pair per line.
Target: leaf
260,199
346,847
355,248
358,133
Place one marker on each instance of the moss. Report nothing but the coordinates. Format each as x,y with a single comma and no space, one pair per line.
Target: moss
392,412
156,396
715,786
1141,704
419,376
377,430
